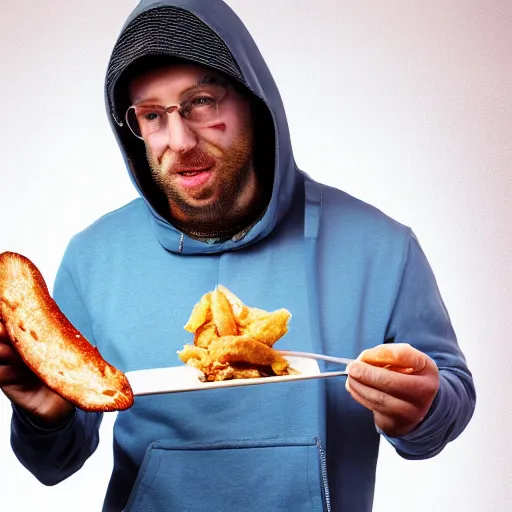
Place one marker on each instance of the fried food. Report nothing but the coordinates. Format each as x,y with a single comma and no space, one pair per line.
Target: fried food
200,314
268,328
234,341
51,346
244,349
205,335
222,314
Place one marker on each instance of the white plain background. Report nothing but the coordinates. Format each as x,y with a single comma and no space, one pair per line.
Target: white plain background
406,105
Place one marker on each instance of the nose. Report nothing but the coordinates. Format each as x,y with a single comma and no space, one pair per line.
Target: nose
181,139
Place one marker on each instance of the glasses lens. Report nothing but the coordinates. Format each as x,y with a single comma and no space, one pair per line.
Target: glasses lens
147,119
203,111
131,121
200,110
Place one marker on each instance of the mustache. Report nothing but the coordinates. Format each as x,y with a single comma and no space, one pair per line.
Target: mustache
199,159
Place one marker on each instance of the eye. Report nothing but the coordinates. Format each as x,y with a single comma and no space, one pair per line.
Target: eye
150,116
202,101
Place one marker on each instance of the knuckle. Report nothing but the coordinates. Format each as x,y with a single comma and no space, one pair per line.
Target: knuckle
377,401
384,378
361,372
428,388
412,417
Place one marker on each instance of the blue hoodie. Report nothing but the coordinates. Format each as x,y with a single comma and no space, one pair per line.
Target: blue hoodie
352,278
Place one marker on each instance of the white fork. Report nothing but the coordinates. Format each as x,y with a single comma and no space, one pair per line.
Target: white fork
310,355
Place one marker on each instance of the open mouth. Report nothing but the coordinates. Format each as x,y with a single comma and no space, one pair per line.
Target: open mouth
194,177
190,173
193,172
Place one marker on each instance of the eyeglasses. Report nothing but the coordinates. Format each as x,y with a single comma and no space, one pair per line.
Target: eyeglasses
203,108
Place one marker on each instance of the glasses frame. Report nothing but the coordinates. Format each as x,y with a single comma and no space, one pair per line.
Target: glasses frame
170,110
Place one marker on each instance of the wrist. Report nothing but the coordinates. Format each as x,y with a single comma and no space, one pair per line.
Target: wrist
56,413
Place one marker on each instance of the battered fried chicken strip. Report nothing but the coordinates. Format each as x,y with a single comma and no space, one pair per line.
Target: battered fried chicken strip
232,340
244,349
51,346
234,357
222,315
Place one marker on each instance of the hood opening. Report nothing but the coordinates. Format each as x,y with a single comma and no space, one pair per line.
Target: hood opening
164,36
208,33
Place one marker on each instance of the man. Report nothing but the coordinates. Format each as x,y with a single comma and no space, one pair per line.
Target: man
205,139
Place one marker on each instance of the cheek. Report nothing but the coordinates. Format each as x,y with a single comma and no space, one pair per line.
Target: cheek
158,158
156,147
166,160
236,126
222,140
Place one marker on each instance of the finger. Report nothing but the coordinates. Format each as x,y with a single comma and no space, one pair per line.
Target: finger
412,388
4,336
9,355
12,375
380,402
397,355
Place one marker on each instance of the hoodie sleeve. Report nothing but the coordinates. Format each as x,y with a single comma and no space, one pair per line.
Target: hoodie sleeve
52,455
420,318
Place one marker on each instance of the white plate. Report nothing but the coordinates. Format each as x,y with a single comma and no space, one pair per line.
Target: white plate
178,379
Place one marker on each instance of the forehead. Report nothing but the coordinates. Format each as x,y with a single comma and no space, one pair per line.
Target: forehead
169,80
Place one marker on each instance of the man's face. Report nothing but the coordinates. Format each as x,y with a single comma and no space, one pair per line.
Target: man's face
203,163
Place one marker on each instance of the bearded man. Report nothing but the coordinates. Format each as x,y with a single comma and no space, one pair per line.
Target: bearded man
205,139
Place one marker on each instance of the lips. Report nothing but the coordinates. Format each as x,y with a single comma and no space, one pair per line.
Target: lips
192,178
193,171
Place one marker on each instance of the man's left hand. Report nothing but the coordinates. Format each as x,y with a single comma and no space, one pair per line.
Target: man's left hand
397,382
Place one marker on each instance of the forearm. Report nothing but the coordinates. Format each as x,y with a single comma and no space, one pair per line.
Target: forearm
420,318
52,455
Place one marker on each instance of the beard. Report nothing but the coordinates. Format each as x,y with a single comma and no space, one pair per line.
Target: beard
224,208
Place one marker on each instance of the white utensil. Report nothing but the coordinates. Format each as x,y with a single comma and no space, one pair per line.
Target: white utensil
179,379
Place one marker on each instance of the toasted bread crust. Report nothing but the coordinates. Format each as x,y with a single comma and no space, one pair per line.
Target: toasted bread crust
51,346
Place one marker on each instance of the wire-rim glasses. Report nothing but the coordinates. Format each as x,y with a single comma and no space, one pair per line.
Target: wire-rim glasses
201,109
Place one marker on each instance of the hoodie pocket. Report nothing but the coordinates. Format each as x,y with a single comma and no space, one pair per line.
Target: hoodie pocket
272,476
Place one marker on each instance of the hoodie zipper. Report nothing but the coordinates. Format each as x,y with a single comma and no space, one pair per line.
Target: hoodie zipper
323,470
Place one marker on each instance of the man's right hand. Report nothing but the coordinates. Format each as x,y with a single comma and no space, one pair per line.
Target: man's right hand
24,389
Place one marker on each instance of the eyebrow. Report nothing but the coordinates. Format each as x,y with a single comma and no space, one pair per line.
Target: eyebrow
205,80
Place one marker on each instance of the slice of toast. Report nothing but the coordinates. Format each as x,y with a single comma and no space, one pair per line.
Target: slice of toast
51,346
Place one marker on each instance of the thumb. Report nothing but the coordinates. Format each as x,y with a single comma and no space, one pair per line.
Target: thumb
398,357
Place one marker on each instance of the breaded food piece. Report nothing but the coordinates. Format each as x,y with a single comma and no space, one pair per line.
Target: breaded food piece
265,326
201,313
232,340
51,346
220,372
269,328
192,352
244,349
205,335
222,315
238,307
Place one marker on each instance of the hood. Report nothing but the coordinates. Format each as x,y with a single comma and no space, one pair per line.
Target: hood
207,32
